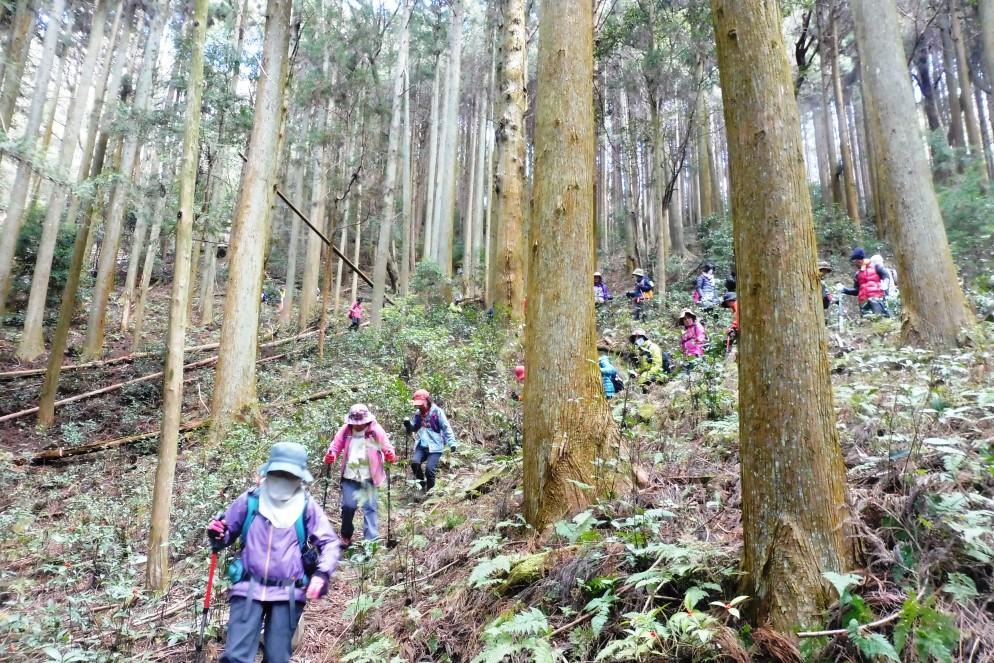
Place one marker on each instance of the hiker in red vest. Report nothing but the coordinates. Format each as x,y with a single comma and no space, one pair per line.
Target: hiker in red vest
868,284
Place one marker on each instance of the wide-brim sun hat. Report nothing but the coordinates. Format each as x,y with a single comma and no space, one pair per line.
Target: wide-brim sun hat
596,274
685,312
636,333
638,272
421,397
358,415
289,457
824,267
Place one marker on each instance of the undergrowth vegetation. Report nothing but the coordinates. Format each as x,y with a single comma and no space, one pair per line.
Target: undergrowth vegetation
649,574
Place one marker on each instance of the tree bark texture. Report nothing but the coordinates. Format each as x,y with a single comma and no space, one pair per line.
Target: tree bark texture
509,176
17,54
157,570
793,476
234,380
17,204
935,309
446,213
389,212
845,139
107,263
564,436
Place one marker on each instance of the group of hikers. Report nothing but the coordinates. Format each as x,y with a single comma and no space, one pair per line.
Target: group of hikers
873,284
288,547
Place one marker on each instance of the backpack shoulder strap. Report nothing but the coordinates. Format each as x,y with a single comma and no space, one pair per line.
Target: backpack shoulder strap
301,527
253,508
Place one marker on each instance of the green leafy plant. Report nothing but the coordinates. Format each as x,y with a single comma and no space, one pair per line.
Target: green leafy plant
526,632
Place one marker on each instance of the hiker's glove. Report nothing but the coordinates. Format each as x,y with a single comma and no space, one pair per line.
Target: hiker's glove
216,530
390,456
329,458
632,374
408,426
314,588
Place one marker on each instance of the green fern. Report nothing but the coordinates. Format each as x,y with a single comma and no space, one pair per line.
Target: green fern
526,633
482,574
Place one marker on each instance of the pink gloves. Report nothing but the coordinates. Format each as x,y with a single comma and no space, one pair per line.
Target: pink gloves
216,530
314,588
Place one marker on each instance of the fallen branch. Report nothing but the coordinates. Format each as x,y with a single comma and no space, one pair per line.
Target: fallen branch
123,359
151,376
50,455
844,631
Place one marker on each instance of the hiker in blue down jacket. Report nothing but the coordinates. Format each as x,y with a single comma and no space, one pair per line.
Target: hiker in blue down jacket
608,375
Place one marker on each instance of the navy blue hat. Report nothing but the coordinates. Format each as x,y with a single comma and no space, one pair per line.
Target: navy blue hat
858,254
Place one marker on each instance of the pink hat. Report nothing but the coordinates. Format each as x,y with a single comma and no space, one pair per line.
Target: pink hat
359,414
519,373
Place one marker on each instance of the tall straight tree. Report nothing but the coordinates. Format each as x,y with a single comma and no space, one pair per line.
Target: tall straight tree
508,287
935,309
107,262
157,570
234,380
17,52
448,156
389,212
568,426
32,342
407,192
793,477
845,139
17,204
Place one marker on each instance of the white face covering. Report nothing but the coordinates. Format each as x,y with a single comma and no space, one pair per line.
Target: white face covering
282,489
281,500
639,341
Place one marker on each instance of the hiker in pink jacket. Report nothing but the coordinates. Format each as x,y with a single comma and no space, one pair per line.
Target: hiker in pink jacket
694,338
363,445
355,313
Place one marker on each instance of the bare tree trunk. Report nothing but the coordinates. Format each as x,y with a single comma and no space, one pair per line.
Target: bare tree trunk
985,10
793,476
479,222
449,154
390,183
17,54
107,264
406,193
319,191
291,252
358,238
105,94
973,136
509,177
234,380
431,178
158,209
679,247
17,205
32,342
957,133
845,141
172,388
935,310
564,438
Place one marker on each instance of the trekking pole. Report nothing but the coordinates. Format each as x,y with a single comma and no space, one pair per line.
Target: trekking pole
391,542
215,549
327,480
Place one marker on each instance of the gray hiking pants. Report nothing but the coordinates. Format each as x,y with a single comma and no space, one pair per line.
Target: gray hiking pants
247,620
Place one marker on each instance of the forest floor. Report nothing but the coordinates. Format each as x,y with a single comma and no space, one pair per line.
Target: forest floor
647,575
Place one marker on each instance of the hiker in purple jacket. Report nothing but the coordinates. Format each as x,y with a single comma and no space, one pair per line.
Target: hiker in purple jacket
289,549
